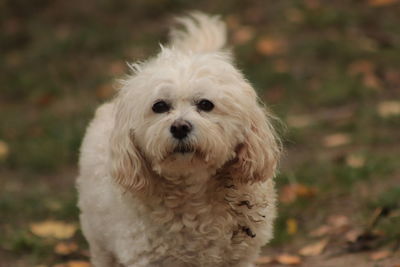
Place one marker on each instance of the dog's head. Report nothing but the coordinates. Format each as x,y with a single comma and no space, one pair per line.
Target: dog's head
182,113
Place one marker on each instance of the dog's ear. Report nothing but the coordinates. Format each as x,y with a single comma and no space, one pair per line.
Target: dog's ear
128,165
257,156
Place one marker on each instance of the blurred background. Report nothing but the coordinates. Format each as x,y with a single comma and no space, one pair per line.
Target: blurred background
329,69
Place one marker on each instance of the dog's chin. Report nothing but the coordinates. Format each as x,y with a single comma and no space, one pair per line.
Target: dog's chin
182,160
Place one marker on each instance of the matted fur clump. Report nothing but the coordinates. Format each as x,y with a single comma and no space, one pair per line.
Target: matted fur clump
177,170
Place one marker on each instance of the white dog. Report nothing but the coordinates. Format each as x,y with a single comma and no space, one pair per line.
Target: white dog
177,169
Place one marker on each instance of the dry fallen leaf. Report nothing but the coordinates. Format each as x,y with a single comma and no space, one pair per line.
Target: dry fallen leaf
74,264
117,68
338,221
314,249
389,108
372,81
105,91
321,231
299,121
281,65
361,67
312,4
269,46
352,235
380,255
294,15
338,139
65,248
243,35
55,229
378,3
291,226
291,192
355,161
288,259
4,150
263,260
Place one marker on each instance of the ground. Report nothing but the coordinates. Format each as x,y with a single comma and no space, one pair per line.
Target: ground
330,70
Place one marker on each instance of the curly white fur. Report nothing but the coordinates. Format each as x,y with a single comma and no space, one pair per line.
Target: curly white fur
145,204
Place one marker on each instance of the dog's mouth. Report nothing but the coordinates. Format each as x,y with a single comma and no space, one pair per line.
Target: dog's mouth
183,149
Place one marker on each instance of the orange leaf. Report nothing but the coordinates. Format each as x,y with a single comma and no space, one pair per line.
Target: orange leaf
74,264
314,249
378,3
269,46
263,260
243,35
289,193
380,255
288,259
65,248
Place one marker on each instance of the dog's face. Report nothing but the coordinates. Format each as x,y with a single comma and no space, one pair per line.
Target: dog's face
180,114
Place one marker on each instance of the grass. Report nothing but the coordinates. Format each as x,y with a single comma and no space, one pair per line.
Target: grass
59,56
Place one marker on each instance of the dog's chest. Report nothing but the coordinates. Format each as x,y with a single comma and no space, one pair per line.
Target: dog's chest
206,229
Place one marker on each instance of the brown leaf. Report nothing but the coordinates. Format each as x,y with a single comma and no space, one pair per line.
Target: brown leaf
380,255
263,260
75,263
361,67
337,139
314,249
321,231
105,91
389,108
243,35
312,4
288,259
65,248
353,235
4,150
291,192
378,3
281,65
117,68
299,121
55,229
270,46
355,161
338,221
294,15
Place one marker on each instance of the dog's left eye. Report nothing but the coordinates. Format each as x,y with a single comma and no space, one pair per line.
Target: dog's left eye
161,107
205,105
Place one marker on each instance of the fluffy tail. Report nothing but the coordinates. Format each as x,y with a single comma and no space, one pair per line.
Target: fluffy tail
200,33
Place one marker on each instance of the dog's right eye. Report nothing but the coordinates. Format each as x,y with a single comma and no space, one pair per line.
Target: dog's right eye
161,107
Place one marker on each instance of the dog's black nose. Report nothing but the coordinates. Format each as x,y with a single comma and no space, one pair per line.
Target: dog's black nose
180,129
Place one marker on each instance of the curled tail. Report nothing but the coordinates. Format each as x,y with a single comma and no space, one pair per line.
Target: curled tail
200,33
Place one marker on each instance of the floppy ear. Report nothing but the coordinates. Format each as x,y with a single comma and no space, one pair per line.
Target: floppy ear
257,156
128,165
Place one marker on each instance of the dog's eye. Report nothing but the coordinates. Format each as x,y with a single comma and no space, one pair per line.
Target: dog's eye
205,105
161,107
